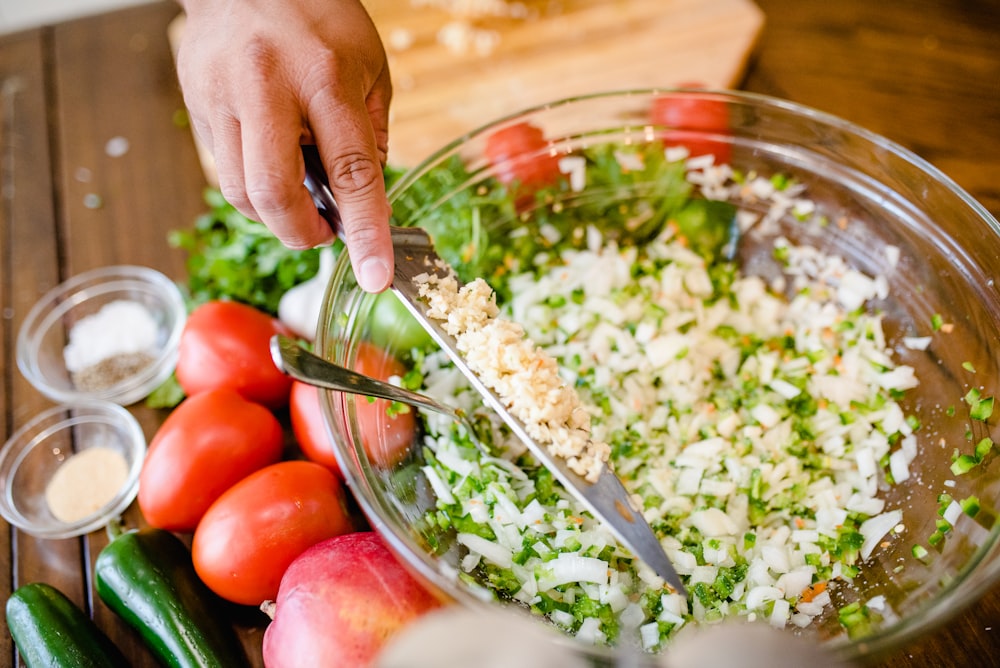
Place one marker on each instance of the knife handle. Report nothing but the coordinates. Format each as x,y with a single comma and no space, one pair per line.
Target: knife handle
318,185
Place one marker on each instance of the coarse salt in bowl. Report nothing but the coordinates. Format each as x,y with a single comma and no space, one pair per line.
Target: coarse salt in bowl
901,537
71,469
109,334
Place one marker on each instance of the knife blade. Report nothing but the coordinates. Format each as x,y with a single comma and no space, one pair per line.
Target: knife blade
606,498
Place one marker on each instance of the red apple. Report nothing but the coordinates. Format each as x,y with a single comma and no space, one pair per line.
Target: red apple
339,602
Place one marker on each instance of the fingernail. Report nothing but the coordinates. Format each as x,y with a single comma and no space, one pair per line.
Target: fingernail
373,275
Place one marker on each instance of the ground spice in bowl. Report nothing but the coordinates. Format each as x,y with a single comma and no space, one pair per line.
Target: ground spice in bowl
85,483
111,345
111,370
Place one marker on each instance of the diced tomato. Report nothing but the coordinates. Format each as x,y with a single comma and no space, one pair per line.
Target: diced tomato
688,120
520,156
812,591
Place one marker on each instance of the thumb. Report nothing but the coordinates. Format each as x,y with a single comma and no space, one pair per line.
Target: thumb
358,186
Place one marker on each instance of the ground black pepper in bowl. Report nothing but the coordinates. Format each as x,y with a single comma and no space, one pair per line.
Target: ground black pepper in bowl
111,370
109,334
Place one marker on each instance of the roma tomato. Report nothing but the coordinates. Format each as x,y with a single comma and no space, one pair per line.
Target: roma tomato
206,445
227,344
309,426
252,532
519,154
386,433
690,119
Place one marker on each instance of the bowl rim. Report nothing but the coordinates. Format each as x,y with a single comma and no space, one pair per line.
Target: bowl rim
825,118
102,280
953,597
57,418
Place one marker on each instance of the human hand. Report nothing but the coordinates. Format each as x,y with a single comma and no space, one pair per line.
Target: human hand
260,78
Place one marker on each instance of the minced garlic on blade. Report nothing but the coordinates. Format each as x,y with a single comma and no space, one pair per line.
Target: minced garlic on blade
524,377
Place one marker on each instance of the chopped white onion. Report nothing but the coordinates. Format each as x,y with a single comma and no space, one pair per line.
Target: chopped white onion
875,528
490,550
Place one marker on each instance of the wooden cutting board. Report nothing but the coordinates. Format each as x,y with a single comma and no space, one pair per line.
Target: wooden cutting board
561,48
573,48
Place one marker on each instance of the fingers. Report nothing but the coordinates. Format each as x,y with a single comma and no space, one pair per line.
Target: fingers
308,71
377,104
255,143
274,174
351,131
228,164
354,168
226,135
208,99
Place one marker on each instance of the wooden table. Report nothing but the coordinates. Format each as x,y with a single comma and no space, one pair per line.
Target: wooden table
925,73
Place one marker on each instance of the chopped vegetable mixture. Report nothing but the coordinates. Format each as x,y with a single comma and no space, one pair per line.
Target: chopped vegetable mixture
755,422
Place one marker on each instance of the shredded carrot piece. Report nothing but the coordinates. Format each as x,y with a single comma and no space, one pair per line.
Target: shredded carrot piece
812,591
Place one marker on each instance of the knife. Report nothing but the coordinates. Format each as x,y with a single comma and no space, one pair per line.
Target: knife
606,498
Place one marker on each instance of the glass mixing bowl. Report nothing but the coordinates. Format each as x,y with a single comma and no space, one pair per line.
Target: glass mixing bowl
882,209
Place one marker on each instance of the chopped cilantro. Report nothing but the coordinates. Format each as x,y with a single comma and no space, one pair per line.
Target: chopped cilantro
230,256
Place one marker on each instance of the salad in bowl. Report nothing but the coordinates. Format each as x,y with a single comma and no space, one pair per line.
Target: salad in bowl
781,325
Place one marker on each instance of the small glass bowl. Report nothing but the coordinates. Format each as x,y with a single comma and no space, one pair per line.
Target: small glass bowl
35,452
124,375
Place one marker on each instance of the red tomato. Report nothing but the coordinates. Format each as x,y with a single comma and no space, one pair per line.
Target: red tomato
252,532
206,445
386,436
227,344
309,426
689,119
518,152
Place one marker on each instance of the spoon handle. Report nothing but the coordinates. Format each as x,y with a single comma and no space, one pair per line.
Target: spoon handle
304,366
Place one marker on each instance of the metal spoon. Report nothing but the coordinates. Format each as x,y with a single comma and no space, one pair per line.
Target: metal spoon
302,365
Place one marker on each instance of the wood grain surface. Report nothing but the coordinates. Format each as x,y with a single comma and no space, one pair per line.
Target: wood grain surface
557,50
924,73
560,50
